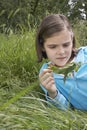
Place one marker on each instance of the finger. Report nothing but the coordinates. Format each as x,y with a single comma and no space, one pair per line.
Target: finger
44,72
45,76
50,86
47,81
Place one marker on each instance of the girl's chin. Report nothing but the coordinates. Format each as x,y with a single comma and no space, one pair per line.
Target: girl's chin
60,65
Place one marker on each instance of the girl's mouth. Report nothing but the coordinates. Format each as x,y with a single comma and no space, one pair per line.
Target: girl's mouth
60,58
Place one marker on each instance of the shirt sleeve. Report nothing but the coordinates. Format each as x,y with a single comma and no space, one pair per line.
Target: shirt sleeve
81,55
59,101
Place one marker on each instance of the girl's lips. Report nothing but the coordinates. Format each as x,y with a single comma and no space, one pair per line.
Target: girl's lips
61,58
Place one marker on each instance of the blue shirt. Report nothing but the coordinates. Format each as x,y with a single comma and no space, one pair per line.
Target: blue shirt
74,90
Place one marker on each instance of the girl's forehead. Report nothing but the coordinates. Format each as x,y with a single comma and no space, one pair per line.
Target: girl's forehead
62,34
59,38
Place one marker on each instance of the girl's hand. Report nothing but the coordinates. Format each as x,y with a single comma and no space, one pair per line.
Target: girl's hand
47,80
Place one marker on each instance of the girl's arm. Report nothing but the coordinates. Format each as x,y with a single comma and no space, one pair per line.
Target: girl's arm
52,93
59,101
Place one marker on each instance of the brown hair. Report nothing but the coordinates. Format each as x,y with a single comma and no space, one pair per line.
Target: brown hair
50,25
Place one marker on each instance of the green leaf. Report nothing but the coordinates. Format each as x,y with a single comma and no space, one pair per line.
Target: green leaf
69,68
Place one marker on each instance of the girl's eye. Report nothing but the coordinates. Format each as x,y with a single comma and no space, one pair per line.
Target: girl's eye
52,47
66,45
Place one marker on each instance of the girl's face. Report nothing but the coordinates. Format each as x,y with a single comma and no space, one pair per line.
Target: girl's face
59,48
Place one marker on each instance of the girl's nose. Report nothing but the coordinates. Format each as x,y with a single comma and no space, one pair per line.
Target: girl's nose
60,51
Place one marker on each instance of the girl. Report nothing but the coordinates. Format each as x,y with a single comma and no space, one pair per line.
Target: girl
56,42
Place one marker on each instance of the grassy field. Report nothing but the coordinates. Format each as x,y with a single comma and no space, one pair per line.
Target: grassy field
22,103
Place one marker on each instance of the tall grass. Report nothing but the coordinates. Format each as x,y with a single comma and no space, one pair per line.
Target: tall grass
32,113
17,60
22,103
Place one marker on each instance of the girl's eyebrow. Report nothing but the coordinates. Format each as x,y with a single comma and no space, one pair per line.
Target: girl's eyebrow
66,43
57,44
52,45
